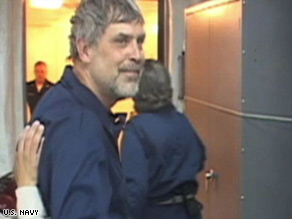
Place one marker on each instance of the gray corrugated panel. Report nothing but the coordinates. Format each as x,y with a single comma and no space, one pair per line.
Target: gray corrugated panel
267,163
267,38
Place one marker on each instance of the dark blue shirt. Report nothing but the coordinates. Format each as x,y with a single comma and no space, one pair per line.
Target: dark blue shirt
80,172
33,96
161,153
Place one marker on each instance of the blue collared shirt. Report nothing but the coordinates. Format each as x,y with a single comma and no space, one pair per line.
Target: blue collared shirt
80,172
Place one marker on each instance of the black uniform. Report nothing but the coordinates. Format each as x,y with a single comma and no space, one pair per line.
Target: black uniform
32,94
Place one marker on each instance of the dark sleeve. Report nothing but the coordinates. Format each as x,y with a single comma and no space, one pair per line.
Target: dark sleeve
74,179
135,169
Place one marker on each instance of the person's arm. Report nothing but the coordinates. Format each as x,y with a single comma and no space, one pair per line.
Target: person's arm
74,178
28,198
135,166
26,163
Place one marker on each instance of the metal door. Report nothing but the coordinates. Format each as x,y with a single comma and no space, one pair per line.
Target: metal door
213,101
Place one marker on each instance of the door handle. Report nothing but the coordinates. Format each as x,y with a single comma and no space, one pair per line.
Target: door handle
181,64
210,176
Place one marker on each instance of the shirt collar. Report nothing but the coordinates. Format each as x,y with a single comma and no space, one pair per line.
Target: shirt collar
87,98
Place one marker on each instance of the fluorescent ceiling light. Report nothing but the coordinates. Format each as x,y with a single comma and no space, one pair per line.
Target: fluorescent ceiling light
46,4
207,5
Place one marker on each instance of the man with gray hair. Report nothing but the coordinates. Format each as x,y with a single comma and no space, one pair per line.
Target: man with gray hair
80,172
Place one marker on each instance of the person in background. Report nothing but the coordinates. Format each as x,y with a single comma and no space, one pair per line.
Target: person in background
161,153
80,173
37,88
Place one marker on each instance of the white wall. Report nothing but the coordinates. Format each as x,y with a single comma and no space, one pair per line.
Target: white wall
49,44
192,2
11,80
176,41
47,34
177,37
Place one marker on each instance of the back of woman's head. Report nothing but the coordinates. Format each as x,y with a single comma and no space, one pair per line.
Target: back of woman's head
155,89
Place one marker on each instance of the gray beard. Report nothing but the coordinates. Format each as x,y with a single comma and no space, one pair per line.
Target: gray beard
129,90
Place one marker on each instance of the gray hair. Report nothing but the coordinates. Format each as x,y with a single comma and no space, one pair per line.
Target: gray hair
92,17
155,89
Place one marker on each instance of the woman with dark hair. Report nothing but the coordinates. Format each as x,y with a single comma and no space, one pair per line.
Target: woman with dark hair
161,154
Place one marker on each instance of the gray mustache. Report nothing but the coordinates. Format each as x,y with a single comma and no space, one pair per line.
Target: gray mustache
136,68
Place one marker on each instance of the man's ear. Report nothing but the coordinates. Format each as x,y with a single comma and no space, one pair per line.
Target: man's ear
83,50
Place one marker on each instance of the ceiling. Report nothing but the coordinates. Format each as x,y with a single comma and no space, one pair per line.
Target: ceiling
45,17
74,3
